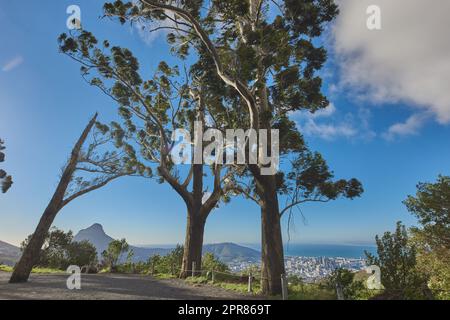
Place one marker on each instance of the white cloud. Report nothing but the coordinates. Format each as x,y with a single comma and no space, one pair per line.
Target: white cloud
327,131
328,124
407,61
410,127
12,64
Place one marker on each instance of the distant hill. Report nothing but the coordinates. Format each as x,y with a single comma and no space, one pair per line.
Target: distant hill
230,251
97,236
224,251
9,254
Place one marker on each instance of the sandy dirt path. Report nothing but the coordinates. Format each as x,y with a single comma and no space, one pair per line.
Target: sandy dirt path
110,286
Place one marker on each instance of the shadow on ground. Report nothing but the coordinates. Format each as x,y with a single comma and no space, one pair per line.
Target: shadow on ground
110,286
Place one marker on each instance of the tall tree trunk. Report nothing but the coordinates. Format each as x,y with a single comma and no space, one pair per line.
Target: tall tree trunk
31,253
272,256
193,243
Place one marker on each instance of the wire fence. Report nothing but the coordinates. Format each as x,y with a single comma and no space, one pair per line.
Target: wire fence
253,279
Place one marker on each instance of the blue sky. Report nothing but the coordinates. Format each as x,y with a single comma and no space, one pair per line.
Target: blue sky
45,104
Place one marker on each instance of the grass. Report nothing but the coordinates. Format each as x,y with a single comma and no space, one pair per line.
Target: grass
47,270
164,276
310,292
237,287
5,268
296,292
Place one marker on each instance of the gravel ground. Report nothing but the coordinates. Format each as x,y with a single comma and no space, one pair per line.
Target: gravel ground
110,286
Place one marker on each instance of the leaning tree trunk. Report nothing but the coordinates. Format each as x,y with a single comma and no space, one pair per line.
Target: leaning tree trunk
193,244
31,252
272,256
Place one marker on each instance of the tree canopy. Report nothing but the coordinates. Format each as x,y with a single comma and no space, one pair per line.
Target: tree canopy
5,179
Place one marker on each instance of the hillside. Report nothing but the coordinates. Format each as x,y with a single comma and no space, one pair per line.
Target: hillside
97,236
224,251
230,251
9,254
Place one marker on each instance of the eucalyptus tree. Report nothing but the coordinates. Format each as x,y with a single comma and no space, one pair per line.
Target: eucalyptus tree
152,111
5,179
265,52
88,168
308,179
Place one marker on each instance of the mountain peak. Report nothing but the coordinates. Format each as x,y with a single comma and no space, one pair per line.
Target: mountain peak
96,227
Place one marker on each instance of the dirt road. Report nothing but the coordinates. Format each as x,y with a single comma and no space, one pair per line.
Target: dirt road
110,286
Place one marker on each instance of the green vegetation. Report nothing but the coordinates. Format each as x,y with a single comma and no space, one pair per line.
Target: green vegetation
311,292
5,268
397,261
254,73
415,263
431,206
210,262
169,264
353,284
5,179
113,253
60,251
164,276
86,170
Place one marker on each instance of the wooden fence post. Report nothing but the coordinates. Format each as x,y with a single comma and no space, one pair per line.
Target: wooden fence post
339,292
193,268
250,281
284,287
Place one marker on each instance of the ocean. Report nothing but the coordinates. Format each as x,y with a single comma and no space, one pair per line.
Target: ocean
321,250
308,250
324,250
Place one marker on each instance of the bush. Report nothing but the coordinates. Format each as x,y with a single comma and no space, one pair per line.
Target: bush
396,257
310,291
210,262
60,251
168,264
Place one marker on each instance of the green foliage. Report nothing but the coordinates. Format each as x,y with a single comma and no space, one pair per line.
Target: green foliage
256,48
5,268
113,253
396,258
294,280
60,251
253,269
311,179
210,262
82,253
431,205
352,289
310,291
169,264
5,179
